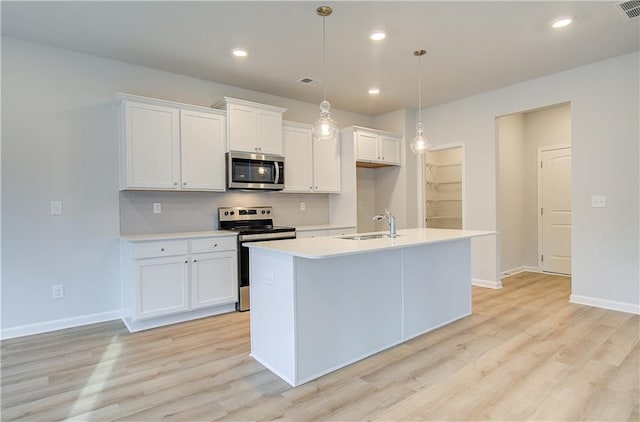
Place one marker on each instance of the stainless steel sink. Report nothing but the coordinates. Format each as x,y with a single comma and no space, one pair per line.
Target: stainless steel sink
367,236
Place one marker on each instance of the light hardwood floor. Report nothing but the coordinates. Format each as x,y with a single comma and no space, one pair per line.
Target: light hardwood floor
524,354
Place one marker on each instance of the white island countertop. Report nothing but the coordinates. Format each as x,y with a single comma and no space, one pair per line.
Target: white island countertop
332,246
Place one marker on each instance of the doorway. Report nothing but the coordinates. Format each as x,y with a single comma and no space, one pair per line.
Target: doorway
521,138
444,187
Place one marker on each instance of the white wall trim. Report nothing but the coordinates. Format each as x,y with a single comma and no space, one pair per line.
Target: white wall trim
629,308
486,283
59,324
518,270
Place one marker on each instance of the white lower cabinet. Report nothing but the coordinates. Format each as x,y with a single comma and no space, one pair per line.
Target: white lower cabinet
161,286
167,281
210,273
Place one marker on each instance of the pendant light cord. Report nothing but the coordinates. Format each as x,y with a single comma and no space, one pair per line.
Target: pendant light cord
419,89
324,57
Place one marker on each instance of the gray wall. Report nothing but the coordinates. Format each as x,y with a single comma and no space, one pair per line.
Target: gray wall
604,100
59,142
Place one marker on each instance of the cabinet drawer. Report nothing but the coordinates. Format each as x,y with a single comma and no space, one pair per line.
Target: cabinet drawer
157,249
213,244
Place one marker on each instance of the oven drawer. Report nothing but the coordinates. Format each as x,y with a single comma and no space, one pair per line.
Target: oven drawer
213,244
160,248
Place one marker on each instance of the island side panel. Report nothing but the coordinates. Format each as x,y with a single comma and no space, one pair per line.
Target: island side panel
272,312
437,287
348,308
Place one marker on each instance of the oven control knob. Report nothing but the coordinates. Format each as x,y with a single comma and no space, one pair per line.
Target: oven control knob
232,212
226,213
268,212
263,211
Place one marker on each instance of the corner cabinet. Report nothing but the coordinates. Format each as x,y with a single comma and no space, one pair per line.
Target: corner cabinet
253,127
173,280
310,165
170,146
375,148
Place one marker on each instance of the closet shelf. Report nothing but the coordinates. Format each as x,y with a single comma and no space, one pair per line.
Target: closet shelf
443,165
444,200
451,182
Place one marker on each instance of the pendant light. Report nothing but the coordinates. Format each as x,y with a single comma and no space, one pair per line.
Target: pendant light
325,127
419,144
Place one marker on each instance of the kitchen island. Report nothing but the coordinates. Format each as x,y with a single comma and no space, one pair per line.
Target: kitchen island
320,304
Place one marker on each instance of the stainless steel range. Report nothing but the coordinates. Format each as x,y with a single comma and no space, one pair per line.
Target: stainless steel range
253,224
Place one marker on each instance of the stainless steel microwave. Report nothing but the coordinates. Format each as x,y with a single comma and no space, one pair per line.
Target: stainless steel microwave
255,171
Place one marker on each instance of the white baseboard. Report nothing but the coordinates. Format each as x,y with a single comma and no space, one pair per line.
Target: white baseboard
59,324
629,308
517,270
486,283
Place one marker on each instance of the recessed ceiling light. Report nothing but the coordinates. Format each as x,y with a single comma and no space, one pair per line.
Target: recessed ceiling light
240,52
374,91
562,22
378,35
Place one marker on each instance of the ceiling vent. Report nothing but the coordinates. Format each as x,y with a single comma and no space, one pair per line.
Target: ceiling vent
630,8
308,81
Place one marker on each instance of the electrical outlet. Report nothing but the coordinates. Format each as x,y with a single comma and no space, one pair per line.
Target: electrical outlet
56,207
157,208
303,206
598,201
57,291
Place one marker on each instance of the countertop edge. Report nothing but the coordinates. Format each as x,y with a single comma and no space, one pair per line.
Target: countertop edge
176,235
375,247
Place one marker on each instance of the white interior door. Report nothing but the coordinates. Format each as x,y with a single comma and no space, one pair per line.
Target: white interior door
555,187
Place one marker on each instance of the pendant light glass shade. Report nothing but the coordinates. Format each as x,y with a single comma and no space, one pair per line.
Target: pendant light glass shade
419,144
325,128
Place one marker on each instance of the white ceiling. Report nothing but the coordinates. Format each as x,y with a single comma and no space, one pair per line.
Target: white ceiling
472,47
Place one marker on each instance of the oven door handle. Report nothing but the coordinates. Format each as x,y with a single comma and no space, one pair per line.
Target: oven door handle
266,236
277,175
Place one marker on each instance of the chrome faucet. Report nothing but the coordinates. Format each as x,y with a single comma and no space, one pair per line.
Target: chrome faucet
390,219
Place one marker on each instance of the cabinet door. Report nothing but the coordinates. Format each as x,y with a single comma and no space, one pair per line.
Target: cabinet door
203,146
270,132
390,150
298,159
243,128
367,146
326,166
152,146
213,279
161,286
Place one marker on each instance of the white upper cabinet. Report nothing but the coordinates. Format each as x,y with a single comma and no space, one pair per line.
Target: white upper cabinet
253,127
203,148
326,166
298,158
376,147
390,152
150,146
310,166
170,146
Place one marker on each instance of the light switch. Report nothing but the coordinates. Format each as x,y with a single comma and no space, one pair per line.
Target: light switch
157,208
598,201
56,207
